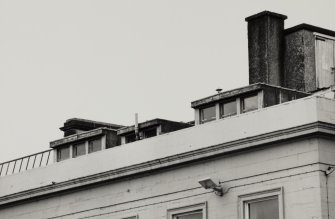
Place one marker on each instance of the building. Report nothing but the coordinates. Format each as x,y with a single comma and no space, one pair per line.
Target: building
266,150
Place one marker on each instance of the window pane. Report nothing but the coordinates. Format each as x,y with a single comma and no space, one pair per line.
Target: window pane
207,114
150,133
192,215
94,145
228,109
265,209
79,149
250,103
63,153
130,138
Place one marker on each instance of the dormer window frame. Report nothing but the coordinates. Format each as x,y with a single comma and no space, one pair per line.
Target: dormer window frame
71,148
228,101
75,145
60,157
90,149
259,101
201,113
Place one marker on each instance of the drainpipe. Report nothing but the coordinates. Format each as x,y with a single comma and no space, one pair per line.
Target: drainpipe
329,171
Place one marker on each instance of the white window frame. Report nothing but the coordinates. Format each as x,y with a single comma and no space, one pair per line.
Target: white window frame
130,217
221,108
259,97
58,153
86,142
172,213
244,200
215,106
74,146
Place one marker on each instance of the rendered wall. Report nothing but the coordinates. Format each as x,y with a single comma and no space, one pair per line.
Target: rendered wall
327,156
217,132
291,165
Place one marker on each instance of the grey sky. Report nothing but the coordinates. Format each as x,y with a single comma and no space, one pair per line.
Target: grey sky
105,60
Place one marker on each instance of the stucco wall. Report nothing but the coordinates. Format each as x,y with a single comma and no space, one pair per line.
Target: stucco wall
216,132
291,165
327,156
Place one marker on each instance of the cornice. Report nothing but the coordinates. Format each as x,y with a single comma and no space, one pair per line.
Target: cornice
313,129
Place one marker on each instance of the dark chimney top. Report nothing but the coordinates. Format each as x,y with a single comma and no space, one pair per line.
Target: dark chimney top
265,44
263,13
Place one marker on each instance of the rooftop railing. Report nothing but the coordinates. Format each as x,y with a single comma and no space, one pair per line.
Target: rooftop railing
25,163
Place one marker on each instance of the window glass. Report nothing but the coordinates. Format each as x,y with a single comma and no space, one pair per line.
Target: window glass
228,109
150,133
207,114
130,138
79,149
264,209
63,153
249,103
190,215
196,211
271,97
94,145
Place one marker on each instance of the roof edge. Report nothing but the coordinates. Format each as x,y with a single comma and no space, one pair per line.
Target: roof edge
266,13
309,27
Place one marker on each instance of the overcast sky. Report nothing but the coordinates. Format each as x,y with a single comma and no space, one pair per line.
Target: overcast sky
105,60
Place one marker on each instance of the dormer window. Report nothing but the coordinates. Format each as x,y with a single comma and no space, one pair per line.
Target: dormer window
63,153
94,145
228,109
130,138
148,129
150,133
207,114
79,149
249,103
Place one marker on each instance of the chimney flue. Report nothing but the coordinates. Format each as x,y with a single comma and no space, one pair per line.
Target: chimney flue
265,44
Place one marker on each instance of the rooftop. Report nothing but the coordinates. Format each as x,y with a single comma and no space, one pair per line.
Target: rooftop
236,92
309,27
85,125
151,123
211,139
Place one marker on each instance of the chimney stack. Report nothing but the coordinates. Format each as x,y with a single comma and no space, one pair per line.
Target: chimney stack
265,44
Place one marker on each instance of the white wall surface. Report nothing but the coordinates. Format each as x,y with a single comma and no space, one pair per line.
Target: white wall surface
279,117
291,165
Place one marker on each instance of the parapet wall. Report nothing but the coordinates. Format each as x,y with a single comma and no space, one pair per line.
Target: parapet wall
245,126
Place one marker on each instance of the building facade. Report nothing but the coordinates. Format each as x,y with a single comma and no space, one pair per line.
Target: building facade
263,151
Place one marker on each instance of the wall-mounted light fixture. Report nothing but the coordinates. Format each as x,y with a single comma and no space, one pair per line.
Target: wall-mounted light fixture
330,170
208,183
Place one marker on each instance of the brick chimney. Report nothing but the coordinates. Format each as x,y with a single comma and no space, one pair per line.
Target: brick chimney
265,44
